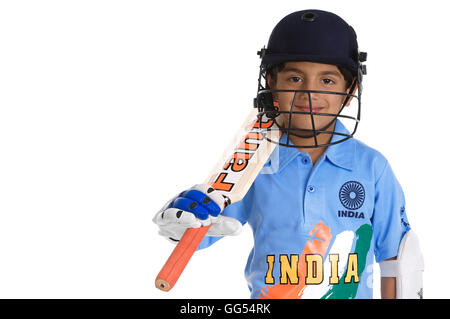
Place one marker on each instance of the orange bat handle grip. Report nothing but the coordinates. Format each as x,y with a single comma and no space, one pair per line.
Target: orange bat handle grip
180,257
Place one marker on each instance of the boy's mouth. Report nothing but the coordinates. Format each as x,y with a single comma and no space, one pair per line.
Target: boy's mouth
303,108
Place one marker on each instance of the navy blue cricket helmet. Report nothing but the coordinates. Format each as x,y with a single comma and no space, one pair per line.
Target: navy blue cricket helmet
311,36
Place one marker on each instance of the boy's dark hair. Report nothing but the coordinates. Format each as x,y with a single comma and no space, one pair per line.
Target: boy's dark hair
273,70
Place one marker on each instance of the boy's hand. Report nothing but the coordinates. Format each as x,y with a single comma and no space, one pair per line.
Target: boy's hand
198,206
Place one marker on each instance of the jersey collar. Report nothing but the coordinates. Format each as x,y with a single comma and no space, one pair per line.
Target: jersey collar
342,154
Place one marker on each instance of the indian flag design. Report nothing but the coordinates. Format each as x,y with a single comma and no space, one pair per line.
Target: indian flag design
324,273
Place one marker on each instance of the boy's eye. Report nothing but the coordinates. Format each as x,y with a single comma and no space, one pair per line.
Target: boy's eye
328,81
295,79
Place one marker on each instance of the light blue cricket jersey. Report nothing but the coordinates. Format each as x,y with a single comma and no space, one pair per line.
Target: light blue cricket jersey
317,228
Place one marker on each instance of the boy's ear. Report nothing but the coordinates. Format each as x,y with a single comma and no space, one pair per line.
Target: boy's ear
270,81
352,92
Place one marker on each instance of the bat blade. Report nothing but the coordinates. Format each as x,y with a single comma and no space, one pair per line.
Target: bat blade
232,176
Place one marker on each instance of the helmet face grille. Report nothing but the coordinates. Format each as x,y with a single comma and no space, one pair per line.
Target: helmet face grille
314,125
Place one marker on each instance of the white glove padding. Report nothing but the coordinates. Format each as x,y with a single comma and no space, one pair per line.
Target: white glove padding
196,207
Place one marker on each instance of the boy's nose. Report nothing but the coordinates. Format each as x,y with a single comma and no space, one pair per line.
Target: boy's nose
309,86
305,96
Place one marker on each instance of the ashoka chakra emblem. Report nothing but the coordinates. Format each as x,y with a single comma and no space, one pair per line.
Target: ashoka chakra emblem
352,195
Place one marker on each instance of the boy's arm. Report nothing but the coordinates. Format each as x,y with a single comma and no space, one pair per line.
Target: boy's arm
393,237
388,286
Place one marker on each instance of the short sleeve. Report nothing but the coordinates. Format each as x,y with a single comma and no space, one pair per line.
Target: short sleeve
389,217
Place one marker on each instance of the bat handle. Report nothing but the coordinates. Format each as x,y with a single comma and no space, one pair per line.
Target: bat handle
180,257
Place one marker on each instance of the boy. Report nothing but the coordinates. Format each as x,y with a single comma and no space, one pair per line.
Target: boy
334,203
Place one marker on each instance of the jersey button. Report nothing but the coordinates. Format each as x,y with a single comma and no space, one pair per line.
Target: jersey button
305,160
311,189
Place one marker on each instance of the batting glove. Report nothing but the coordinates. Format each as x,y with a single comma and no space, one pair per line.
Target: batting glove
198,206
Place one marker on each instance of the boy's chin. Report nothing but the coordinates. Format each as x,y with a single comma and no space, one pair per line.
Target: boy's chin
306,130
302,134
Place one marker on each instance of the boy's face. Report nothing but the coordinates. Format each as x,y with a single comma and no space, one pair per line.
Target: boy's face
309,76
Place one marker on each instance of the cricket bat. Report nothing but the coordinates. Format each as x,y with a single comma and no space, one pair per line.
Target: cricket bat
232,176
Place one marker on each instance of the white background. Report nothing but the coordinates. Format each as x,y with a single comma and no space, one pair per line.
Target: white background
109,108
